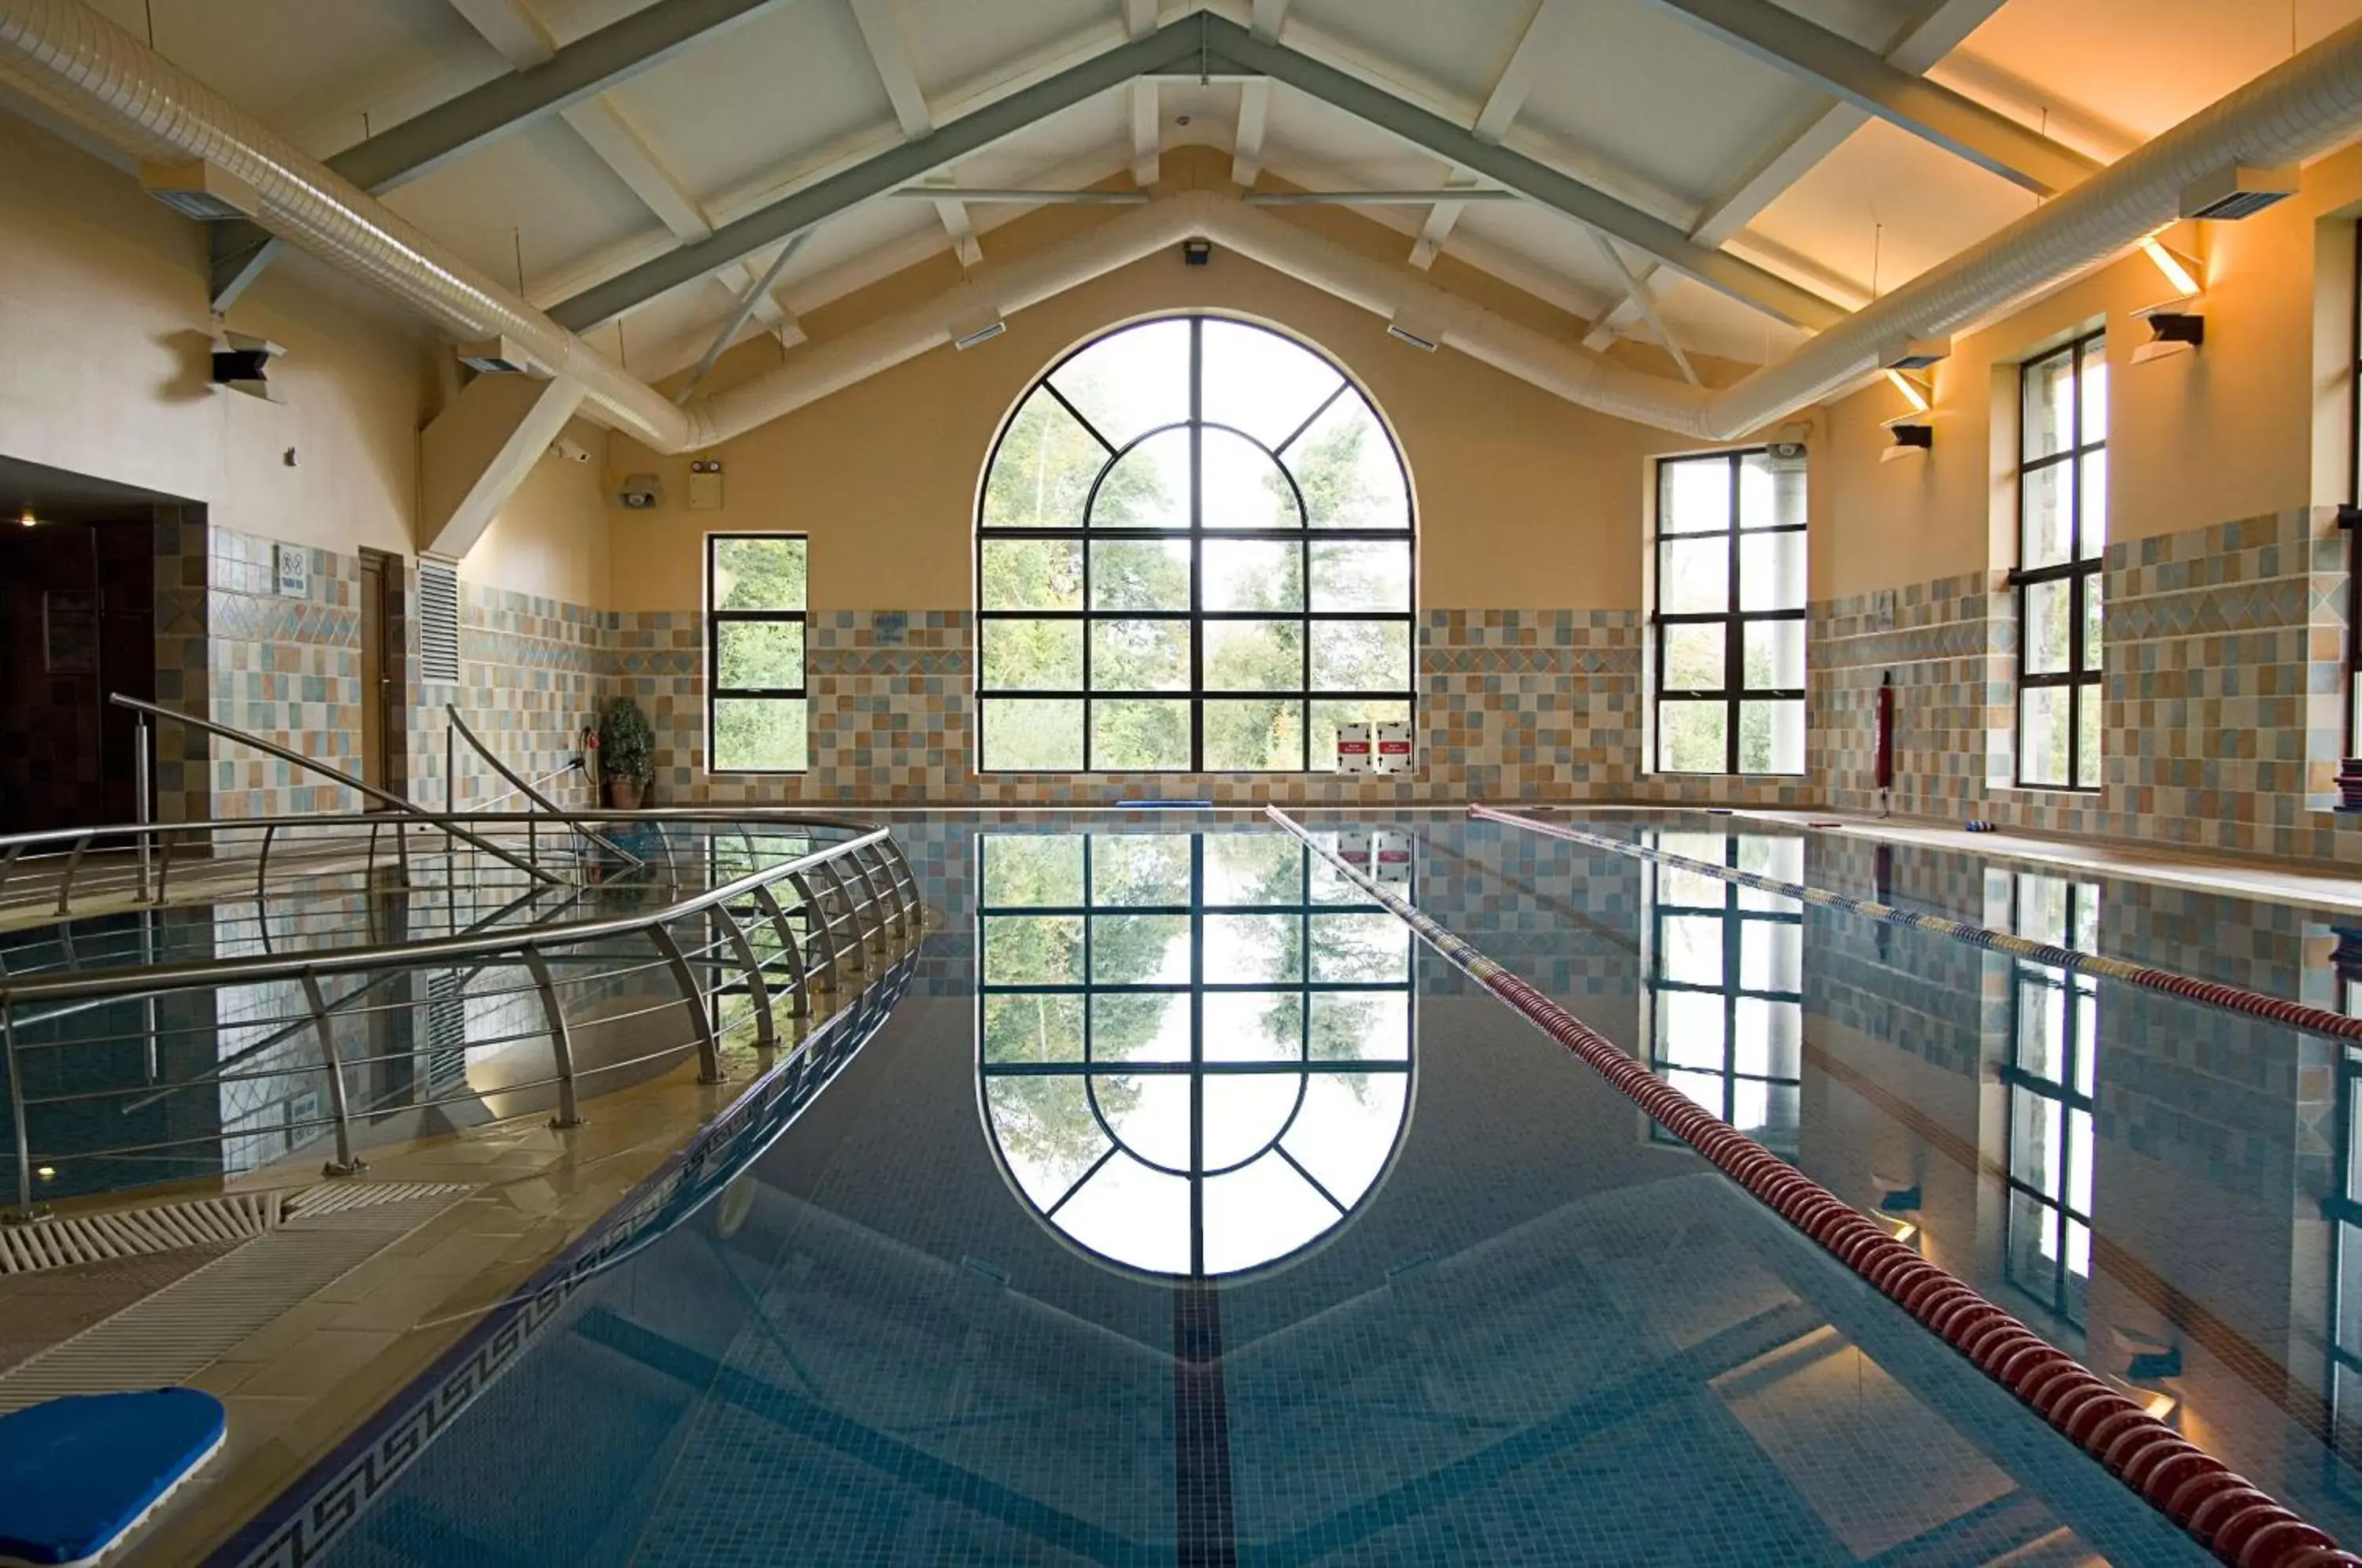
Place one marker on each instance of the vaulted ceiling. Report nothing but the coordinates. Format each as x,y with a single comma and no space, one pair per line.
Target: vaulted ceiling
1703,122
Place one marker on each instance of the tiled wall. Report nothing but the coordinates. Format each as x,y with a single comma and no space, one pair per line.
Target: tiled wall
533,673
2222,705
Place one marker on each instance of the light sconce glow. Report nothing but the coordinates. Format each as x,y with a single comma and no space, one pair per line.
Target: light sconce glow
1912,392
46,1173
29,520
2160,1406
2175,268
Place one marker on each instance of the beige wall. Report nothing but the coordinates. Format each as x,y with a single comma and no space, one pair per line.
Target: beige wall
1524,501
551,538
2252,423
104,333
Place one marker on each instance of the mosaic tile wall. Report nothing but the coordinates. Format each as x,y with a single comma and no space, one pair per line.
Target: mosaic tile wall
1513,704
2222,697
533,673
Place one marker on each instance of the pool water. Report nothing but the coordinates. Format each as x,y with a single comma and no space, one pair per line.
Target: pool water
1186,1211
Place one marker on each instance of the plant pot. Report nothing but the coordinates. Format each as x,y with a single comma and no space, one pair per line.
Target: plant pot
624,794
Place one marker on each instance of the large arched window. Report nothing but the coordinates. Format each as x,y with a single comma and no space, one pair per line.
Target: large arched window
1194,554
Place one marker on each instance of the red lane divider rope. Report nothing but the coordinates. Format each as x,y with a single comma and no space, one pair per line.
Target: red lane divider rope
2236,998
2236,1520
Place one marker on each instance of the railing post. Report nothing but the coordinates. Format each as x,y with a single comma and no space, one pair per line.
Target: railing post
561,1041
766,901
821,977
163,863
26,1210
906,885
709,1047
142,786
880,910
73,863
346,1162
767,1034
263,868
857,951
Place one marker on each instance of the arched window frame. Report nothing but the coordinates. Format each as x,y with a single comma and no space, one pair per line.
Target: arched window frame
1319,704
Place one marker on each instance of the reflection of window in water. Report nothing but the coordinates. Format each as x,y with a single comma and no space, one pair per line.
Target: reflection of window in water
2054,1038
1725,983
1195,1049
2344,1211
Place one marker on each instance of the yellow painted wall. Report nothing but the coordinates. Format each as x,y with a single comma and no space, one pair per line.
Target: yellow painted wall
103,333
551,540
1524,501
2250,423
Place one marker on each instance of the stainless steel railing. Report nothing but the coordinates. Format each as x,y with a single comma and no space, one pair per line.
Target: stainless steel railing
229,1061
518,786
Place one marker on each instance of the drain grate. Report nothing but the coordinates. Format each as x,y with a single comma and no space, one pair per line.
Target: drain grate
201,1222
173,1334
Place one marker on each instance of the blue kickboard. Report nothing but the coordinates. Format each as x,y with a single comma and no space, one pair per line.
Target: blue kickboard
78,1472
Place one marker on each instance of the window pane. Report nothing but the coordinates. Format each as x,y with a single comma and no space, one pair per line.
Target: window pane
2049,608
1139,655
1253,574
2045,519
763,734
1140,574
1261,382
1033,1028
1770,495
1139,949
1354,575
1032,574
1697,657
2095,392
1033,656
1771,736
1032,950
1771,571
1692,737
2042,735
1692,575
1330,713
1776,655
758,574
2087,737
1243,486
1360,655
1345,465
1257,736
1148,486
1694,496
1255,656
1032,734
1032,869
2091,622
759,655
1041,471
1130,382
2093,541
1140,869
2049,406
1144,734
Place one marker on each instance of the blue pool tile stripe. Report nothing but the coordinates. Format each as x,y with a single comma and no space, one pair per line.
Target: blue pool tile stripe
2238,1522
2236,998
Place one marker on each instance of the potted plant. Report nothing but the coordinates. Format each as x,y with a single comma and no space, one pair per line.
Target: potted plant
627,753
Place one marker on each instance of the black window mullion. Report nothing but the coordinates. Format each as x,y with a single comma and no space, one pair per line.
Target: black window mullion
1197,616
1733,658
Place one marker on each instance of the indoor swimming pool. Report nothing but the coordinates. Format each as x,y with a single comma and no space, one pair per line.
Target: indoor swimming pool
1187,1209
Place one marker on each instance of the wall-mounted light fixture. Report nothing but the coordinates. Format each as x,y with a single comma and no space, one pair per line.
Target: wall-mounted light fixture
1917,393
29,520
1421,334
2181,272
1912,435
980,326
2177,326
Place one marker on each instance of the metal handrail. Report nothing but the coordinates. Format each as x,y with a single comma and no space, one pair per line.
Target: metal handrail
530,793
312,765
838,931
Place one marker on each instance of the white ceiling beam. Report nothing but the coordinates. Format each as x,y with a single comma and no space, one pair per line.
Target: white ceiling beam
511,26
1492,121
1139,17
1845,69
1945,27
1147,131
889,53
1267,17
1640,297
1246,146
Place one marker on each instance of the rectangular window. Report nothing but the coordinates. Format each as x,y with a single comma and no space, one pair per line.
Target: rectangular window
2062,532
2051,1079
1725,984
1729,615
756,716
